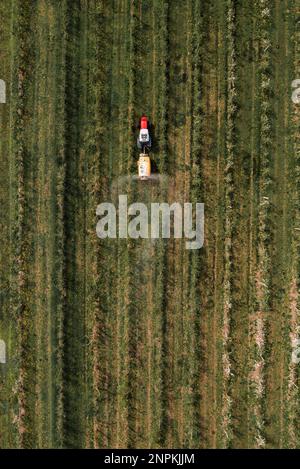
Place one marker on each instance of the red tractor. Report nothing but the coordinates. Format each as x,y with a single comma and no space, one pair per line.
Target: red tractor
144,138
144,144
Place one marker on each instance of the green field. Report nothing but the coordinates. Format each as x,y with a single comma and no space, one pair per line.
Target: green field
133,343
